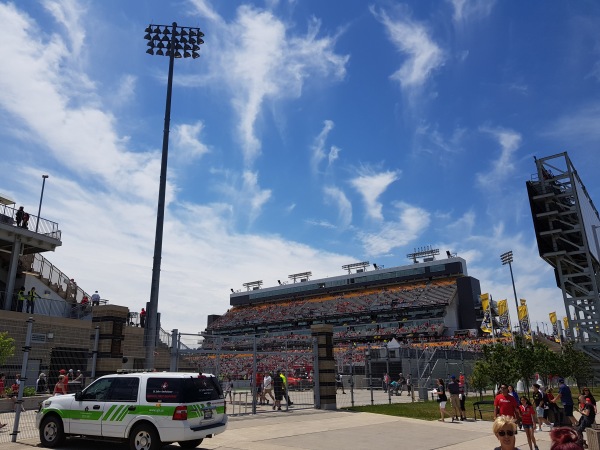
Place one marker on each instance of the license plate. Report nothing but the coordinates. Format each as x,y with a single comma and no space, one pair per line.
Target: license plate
208,414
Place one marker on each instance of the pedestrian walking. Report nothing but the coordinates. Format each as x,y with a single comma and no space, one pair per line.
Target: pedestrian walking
442,398
528,420
505,429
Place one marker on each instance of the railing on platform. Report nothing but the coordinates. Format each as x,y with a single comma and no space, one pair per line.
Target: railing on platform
40,225
57,281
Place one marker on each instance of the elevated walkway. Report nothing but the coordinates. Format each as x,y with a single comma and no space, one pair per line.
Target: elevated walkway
37,236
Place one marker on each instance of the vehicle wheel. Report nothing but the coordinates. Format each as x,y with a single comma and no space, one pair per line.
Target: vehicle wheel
144,437
51,431
190,444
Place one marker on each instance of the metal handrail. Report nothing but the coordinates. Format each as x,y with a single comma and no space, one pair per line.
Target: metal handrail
37,224
58,281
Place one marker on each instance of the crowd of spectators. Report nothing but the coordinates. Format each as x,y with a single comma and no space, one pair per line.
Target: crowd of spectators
410,296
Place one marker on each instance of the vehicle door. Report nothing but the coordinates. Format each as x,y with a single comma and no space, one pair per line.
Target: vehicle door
88,408
121,406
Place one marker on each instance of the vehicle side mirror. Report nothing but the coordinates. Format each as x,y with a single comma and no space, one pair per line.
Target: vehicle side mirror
78,396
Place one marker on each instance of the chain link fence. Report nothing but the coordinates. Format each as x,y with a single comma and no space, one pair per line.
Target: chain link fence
42,364
247,367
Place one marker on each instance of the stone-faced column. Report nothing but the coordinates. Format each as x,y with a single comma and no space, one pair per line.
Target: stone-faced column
325,372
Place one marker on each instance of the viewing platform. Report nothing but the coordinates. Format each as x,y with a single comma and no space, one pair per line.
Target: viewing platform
46,238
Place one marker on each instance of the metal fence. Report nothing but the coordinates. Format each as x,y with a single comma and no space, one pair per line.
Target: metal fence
33,380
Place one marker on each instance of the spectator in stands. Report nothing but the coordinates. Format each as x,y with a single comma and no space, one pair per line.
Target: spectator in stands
19,216
505,430
565,438
95,299
143,318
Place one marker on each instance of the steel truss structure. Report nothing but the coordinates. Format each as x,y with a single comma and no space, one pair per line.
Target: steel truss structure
566,226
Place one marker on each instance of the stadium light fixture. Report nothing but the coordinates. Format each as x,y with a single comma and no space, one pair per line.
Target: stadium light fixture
507,258
172,41
232,291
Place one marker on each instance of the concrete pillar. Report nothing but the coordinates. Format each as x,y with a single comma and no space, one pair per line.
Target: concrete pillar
326,365
12,272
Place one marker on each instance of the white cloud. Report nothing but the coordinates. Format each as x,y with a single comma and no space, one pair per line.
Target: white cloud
504,166
69,13
318,147
412,39
338,198
258,60
576,126
186,138
470,10
63,114
411,222
371,185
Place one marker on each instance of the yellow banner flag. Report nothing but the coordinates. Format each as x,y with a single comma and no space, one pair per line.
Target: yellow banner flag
566,322
504,317
524,321
554,323
552,318
486,323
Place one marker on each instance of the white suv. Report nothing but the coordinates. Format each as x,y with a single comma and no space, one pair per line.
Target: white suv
146,409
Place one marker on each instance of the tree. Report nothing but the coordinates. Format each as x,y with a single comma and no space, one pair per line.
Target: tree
500,363
7,347
546,362
479,379
575,363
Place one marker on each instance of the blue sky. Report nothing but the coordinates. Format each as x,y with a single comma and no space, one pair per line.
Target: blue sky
308,135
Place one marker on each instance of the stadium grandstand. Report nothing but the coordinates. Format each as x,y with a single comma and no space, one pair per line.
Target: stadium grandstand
431,300
427,305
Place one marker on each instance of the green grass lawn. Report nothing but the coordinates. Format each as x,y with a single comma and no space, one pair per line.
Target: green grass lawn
429,410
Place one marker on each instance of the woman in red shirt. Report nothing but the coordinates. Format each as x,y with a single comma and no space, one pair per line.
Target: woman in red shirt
528,419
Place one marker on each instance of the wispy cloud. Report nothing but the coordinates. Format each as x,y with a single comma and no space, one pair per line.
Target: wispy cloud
503,166
187,141
336,196
410,222
576,125
412,39
470,10
258,59
318,146
370,186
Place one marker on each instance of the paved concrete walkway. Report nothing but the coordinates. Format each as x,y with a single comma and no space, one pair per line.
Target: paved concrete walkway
316,430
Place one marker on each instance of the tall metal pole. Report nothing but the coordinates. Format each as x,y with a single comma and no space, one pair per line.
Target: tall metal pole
507,258
152,328
188,40
37,224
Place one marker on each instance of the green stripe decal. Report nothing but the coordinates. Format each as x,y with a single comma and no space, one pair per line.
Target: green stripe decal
116,413
110,410
123,414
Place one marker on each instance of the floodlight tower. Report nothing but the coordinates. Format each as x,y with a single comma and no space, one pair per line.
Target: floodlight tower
170,41
507,258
